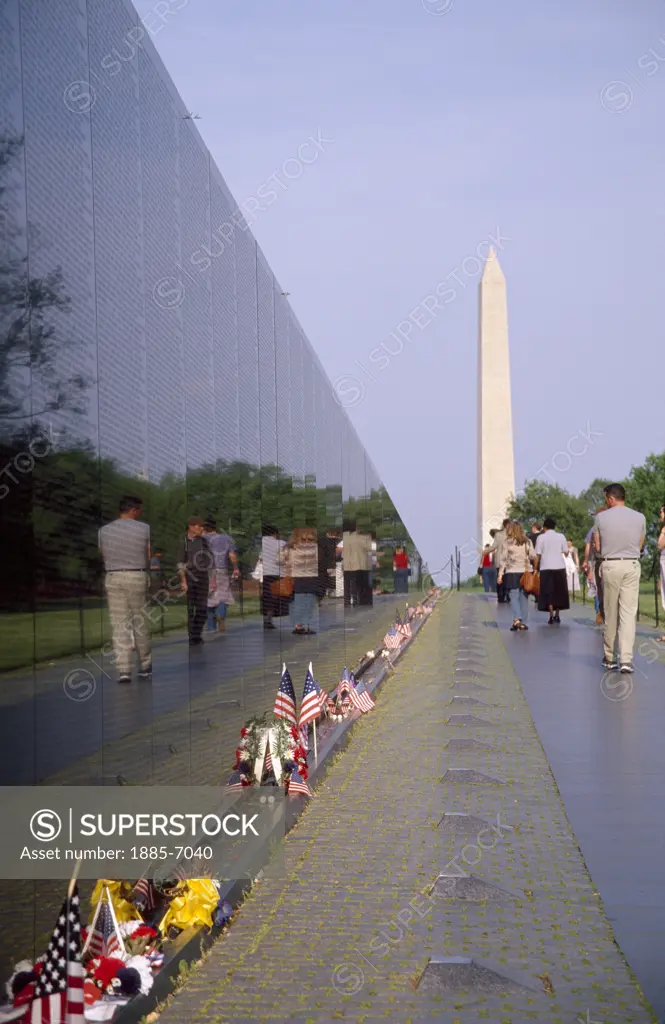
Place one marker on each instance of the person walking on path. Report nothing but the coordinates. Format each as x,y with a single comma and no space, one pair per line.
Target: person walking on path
572,563
535,533
220,595
619,536
499,539
661,548
125,548
302,564
551,547
591,566
488,569
400,571
195,565
517,557
588,570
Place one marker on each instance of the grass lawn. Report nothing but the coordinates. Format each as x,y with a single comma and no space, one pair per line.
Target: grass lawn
648,600
26,639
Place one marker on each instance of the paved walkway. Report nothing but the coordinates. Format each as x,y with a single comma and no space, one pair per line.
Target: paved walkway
602,734
447,777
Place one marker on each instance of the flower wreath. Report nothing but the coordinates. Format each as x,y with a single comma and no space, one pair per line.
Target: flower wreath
284,744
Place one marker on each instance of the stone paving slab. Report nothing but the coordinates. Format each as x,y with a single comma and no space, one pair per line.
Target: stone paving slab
349,932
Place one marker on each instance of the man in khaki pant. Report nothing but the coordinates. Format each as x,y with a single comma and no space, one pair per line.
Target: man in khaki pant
125,547
619,536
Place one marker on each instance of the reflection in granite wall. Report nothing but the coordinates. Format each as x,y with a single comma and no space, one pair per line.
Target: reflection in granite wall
147,349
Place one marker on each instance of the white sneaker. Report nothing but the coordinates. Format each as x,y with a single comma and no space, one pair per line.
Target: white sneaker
627,668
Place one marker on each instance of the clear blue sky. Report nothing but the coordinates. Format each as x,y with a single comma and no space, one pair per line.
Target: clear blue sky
445,127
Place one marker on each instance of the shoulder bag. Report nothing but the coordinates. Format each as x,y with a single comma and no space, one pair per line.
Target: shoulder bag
529,581
282,587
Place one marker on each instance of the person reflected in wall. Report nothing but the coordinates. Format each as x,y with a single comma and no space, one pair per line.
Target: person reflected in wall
157,575
125,549
225,568
302,565
273,566
400,571
195,566
327,560
551,549
339,567
366,582
354,553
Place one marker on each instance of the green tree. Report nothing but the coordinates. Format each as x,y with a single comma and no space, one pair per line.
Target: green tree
593,496
645,491
540,500
29,342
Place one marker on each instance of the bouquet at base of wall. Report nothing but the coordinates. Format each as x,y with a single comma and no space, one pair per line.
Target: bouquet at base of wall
122,895
194,906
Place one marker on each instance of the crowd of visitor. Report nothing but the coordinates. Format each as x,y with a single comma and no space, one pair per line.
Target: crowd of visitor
294,574
542,562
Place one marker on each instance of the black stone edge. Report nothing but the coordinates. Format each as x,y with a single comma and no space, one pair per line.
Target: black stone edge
192,943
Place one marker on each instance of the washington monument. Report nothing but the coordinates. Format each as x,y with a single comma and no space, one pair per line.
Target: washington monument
496,465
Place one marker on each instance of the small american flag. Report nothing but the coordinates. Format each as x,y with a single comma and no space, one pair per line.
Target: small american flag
144,895
285,702
344,683
235,782
361,699
331,706
404,628
310,706
297,784
103,937
323,696
59,986
267,763
392,639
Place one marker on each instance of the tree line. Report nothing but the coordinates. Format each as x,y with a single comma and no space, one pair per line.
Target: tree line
645,491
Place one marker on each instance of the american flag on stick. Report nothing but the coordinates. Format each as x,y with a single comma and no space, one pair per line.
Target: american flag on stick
360,698
404,629
285,702
345,685
235,782
298,785
392,639
144,895
312,705
267,763
59,986
102,937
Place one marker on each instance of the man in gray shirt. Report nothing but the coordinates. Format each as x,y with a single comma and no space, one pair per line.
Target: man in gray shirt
125,547
619,536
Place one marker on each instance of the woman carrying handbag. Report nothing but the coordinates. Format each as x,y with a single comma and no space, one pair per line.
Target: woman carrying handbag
516,557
